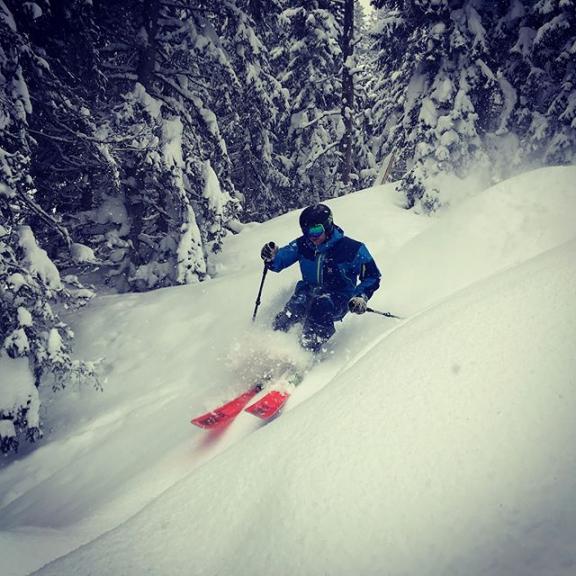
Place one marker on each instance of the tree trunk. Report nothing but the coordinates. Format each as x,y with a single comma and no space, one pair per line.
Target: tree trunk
147,43
347,91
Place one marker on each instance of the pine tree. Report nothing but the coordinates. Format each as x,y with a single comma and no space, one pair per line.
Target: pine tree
165,56
60,70
439,91
472,86
348,92
35,345
309,64
543,48
252,111
366,168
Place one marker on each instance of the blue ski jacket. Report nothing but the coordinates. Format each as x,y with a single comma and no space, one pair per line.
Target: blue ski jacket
340,265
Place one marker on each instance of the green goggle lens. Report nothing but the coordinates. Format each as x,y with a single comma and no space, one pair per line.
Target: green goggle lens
316,231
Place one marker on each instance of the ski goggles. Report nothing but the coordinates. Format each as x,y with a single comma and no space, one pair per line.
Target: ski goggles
315,231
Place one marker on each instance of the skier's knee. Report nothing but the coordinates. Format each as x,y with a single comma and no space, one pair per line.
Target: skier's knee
322,309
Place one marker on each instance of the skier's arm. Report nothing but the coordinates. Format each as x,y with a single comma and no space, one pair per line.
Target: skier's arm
368,274
286,256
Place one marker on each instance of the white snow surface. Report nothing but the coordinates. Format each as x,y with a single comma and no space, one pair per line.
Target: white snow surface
17,389
442,444
37,260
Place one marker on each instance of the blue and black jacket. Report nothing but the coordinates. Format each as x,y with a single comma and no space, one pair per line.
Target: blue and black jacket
339,266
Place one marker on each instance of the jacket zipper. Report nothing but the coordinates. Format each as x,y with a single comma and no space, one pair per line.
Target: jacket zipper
320,258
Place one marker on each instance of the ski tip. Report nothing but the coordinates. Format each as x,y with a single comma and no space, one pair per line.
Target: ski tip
270,405
223,415
208,422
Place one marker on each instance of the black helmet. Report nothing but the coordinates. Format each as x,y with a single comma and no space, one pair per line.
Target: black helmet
317,214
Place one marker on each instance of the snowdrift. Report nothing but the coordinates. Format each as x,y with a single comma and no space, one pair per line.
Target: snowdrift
441,445
505,225
445,447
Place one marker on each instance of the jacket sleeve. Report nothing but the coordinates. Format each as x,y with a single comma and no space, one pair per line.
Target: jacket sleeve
286,256
368,273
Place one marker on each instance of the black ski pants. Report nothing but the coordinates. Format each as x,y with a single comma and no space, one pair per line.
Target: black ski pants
317,311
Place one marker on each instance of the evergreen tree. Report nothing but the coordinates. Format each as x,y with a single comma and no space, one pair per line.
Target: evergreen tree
439,95
165,57
35,345
309,64
366,168
471,86
60,70
255,107
348,93
543,67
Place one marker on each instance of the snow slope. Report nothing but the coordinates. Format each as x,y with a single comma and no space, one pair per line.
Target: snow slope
440,445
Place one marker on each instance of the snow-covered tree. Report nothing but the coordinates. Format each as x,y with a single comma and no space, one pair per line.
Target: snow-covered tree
309,64
471,86
439,90
35,345
365,166
254,108
68,162
122,127
161,60
542,64
348,93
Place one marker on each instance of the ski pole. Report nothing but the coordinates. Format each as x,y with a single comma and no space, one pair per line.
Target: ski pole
387,314
264,272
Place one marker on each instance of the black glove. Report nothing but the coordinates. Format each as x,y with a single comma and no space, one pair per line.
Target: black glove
268,252
357,305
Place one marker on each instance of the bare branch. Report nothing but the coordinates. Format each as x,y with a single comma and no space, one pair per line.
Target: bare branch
182,91
52,136
45,216
124,76
180,71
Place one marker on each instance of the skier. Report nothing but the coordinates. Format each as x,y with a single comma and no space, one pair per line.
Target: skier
338,275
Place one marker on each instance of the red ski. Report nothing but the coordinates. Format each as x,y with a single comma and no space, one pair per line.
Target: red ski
227,412
273,401
269,405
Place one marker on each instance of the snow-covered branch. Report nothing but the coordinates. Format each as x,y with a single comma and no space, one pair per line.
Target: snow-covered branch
319,118
318,155
37,209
